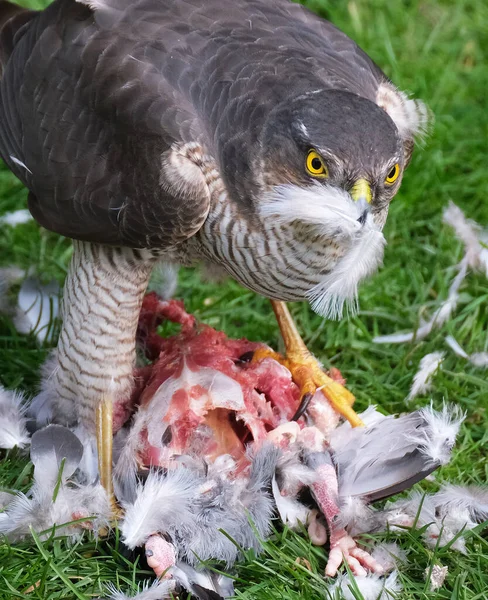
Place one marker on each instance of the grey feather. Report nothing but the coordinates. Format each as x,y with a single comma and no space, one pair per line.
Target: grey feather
127,444
204,585
44,506
6,498
41,512
38,307
41,407
49,446
444,516
162,504
473,499
194,510
292,474
392,453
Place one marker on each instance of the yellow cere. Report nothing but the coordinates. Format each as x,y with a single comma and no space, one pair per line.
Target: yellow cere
315,165
361,190
393,174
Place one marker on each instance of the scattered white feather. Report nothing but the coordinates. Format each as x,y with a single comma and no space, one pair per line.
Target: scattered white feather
442,517
8,276
17,217
455,347
6,498
440,316
476,257
422,382
389,555
437,438
477,359
39,511
418,508
372,587
162,500
472,236
160,590
292,512
355,515
13,430
437,576
470,500
38,306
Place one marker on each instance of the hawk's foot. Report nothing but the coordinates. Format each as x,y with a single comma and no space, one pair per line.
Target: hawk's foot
104,434
306,370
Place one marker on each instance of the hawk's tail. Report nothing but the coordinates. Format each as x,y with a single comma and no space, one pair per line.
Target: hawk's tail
12,18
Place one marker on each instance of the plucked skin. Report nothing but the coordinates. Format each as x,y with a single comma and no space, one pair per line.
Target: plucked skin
180,130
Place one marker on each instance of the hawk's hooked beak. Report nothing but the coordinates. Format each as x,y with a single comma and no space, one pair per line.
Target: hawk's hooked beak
361,194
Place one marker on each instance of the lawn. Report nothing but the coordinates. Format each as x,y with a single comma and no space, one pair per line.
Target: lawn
434,49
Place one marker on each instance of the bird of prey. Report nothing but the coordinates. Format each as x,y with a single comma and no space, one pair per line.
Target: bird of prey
250,135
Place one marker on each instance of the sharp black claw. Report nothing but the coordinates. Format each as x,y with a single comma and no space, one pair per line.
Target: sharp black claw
303,406
246,357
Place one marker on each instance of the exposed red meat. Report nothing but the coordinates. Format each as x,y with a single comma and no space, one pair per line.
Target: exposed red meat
212,398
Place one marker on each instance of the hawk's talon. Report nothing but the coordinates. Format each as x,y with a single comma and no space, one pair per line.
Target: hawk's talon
306,370
104,435
302,408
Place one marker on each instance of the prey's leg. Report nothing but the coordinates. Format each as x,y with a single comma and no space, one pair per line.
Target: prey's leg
160,555
90,377
342,546
306,370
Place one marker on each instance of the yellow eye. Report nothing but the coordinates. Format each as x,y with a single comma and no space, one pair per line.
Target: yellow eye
315,165
393,174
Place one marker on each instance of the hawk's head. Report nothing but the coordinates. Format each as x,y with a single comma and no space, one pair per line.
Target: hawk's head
326,167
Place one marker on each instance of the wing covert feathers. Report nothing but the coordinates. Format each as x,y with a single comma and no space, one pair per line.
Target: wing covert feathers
391,453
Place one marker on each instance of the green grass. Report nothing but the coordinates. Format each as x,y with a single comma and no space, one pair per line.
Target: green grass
433,48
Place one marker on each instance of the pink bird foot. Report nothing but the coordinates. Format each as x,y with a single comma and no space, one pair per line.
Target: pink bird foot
316,530
160,555
344,549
